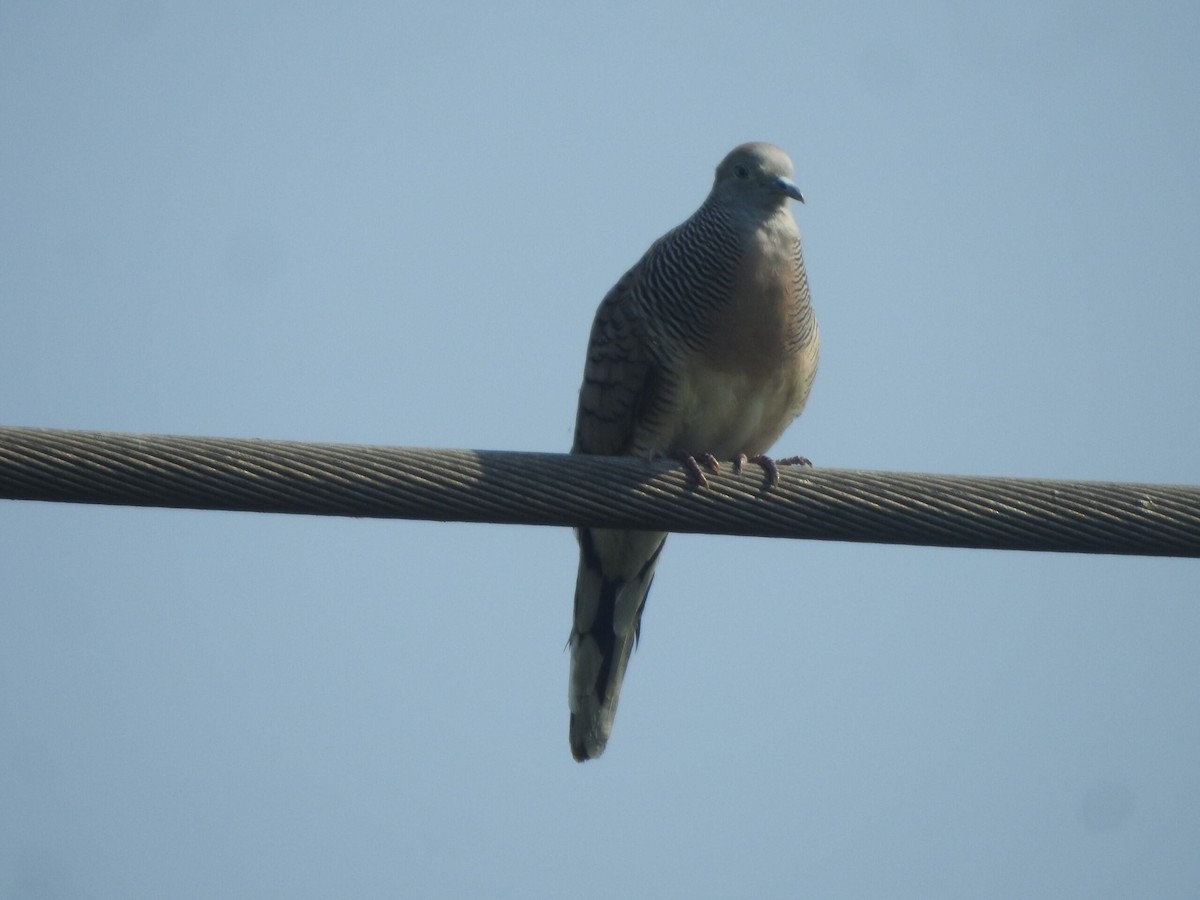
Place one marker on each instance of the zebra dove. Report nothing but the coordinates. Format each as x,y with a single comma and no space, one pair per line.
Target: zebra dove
704,350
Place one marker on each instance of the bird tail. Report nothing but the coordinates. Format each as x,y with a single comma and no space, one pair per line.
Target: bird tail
615,572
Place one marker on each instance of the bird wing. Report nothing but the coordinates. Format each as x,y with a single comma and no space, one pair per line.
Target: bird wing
622,389
622,377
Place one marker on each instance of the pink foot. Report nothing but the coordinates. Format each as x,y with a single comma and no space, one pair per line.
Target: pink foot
693,463
769,466
794,461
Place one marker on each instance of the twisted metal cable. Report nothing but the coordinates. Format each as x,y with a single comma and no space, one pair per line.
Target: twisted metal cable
559,489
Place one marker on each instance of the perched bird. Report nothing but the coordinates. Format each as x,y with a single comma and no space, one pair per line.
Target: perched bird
705,349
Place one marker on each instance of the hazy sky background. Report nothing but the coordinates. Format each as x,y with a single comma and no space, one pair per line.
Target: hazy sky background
391,223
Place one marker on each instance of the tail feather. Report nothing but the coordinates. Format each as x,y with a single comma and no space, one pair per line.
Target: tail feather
616,569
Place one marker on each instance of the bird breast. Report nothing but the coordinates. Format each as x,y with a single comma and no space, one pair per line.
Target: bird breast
749,379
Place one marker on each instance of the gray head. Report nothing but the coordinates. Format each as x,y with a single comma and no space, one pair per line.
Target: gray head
757,174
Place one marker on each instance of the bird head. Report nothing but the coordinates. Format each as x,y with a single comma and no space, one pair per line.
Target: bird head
760,174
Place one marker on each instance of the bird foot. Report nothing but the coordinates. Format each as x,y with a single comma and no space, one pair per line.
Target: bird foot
693,463
794,461
764,462
696,464
769,466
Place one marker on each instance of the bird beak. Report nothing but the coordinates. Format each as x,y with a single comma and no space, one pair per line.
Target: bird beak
787,186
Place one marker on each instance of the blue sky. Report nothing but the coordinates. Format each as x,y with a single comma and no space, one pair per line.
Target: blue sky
391,223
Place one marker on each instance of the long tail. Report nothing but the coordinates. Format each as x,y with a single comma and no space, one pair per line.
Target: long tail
615,572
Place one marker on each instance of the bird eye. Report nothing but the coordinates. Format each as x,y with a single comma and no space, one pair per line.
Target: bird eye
741,172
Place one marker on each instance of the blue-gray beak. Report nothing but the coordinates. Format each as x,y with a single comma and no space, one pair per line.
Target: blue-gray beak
787,186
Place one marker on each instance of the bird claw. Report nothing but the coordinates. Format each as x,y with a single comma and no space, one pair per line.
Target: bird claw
769,466
696,464
693,462
794,461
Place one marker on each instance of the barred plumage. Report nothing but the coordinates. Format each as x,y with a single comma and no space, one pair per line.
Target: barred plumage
708,345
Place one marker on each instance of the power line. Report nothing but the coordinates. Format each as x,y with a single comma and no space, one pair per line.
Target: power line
565,490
